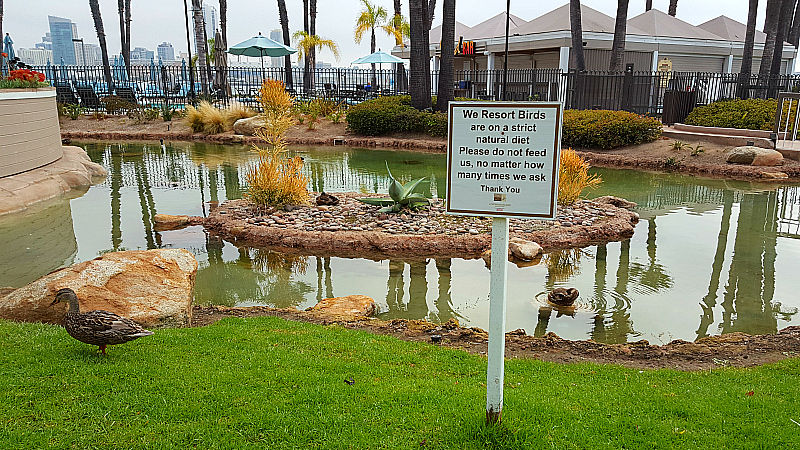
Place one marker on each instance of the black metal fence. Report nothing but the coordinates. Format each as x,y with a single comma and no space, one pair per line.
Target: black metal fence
669,95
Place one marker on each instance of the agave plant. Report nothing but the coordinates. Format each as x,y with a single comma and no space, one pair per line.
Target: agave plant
402,196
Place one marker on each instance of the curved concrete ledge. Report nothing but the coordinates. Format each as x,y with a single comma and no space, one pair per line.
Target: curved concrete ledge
733,137
72,169
30,136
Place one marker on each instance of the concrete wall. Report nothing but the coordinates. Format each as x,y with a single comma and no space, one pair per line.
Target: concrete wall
30,135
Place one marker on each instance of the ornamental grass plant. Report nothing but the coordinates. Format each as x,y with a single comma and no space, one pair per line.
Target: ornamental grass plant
574,177
277,179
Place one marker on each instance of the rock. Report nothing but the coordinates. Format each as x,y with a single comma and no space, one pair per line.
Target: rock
774,175
523,249
614,201
351,305
755,156
152,287
327,199
166,222
248,126
487,257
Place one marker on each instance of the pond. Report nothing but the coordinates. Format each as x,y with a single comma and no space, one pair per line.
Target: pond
707,257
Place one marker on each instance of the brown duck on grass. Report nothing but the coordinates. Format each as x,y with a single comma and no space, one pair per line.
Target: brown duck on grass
97,327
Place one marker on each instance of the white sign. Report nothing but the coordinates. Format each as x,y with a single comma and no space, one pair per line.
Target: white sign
503,159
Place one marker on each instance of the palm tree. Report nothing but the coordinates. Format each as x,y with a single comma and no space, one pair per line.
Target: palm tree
447,66
1,23
124,9
577,33
200,42
673,7
287,61
370,17
794,32
747,54
784,22
307,42
618,46
312,30
420,83
771,29
223,22
399,28
648,5
94,5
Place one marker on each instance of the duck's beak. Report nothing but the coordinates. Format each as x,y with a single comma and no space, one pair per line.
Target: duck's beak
54,301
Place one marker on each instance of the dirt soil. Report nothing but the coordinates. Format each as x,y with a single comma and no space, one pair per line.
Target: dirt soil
658,155
731,350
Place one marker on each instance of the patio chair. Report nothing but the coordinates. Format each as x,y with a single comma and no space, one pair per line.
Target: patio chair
127,93
89,98
64,93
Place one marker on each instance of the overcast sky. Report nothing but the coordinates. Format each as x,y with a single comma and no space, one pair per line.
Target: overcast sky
156,21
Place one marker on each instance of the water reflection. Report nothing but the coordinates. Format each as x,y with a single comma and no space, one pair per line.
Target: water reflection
708,256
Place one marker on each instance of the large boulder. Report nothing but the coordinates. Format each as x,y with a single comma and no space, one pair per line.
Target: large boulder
523,249
247,127
755,156
151,287
351,305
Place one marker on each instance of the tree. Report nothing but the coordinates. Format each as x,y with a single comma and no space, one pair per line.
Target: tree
370,17
94,5
312,27
771,29
618,46
305,43
794,31
447,65
200,42
1,23
747,53
400,29
673,7
124,9
420,83
287,60
784,22
648,5
577,33
223,22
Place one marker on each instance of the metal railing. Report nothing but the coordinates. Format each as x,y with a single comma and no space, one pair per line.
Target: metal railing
669,95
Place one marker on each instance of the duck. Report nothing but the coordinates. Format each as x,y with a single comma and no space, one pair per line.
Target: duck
97,327
562,297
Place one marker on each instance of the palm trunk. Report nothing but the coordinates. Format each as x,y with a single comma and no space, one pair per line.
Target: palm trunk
771,29
312,52
794,31
447,65
307,56
781,35
401,81
420,83
618,46
648,5
126,56
372,44
94,5
223,22
1,27
429,14
199,31
673,8
747,54
287,60
577,33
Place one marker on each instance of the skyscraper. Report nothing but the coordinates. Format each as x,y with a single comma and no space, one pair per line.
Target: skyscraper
277,36
211,19
165,51
62,31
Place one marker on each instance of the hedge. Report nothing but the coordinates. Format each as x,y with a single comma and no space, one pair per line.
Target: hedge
393,114
751,114
607,129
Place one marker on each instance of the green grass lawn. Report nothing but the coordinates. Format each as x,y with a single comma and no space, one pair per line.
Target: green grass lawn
269,383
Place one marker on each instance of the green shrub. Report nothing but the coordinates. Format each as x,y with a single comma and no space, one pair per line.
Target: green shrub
752,114
607,129
386,115
436,124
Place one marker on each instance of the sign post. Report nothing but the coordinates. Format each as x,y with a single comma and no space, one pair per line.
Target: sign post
502,161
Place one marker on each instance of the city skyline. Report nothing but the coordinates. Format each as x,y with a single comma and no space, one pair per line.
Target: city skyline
148,30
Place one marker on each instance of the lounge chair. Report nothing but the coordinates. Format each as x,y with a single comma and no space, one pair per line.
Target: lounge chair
89,98
64,93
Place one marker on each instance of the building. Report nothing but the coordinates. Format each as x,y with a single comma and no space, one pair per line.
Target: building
323,65
653,38
35,56
62,31
277,36
211,19
141,55
165,52
88,54
46,44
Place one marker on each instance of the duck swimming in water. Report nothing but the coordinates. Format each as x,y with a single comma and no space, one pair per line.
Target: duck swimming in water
562,297
97,327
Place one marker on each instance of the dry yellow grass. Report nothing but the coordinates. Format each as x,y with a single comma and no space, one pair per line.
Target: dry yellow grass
193,119
573,177
276,180
235,112
213,118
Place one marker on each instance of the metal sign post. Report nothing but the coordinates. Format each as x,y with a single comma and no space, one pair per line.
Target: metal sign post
502,161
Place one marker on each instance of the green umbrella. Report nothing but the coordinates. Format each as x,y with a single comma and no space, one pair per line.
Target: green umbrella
261,46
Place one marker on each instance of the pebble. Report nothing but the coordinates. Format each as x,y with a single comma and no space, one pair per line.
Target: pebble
352,215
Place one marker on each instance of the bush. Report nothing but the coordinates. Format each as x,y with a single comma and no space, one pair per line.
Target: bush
116,105
752,114
607,129
386,115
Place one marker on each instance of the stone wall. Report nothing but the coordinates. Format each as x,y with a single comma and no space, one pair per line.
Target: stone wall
30,136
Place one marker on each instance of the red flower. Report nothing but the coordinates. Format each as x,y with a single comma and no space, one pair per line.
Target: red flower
4,55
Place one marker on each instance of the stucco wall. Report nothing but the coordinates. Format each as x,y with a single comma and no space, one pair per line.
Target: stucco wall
30,136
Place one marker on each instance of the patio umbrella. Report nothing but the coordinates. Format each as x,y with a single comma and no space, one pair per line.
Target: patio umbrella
261,46
153,77
8,47
220,64
378,57
120,71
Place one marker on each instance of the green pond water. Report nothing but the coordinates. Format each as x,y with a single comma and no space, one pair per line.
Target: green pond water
707,257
